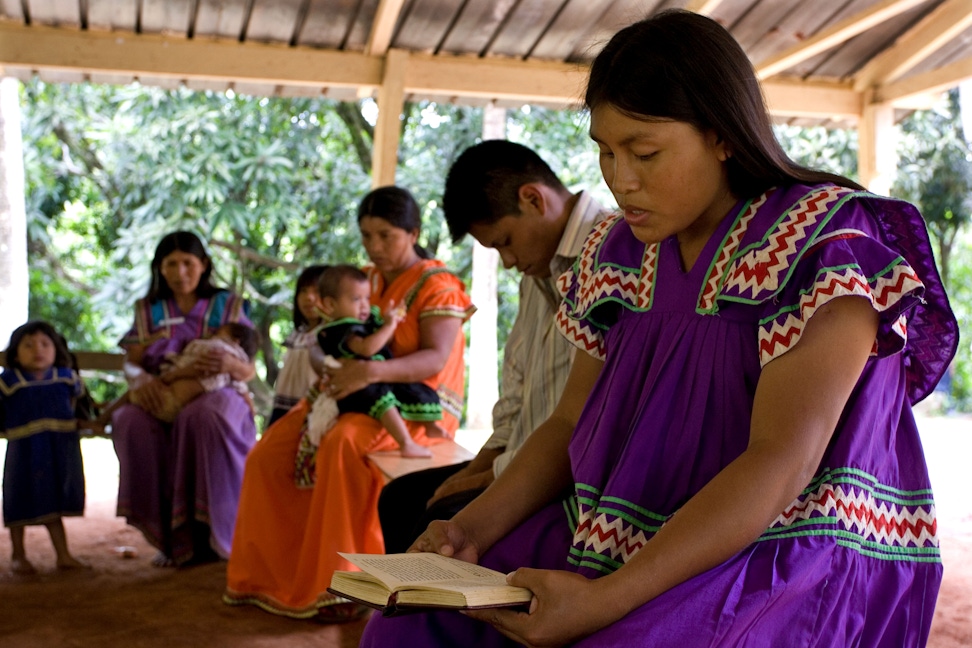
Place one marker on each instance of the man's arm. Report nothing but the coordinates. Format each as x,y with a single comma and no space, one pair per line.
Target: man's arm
480,472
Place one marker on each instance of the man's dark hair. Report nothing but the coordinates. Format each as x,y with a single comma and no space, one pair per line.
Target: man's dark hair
483,184
329,285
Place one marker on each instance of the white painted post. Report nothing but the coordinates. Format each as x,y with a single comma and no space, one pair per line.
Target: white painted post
877,157
14,281
483,355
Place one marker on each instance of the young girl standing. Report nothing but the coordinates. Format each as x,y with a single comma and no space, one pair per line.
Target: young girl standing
736,434
296,374
43,477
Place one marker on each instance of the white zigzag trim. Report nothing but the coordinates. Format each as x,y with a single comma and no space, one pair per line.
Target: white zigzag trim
808,219
789,331
900,519
630,534
710,289
579,334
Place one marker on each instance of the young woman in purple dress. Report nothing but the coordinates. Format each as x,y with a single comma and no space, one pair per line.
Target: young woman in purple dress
179,484
734,461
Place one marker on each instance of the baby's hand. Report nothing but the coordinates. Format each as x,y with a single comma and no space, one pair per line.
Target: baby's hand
395,313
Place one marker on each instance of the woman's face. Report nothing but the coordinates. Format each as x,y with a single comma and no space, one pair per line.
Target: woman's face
309,301
36,353
668,177
182,271
390,248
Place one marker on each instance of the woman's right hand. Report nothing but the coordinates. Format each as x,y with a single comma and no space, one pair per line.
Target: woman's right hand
447,538
150,393
351,377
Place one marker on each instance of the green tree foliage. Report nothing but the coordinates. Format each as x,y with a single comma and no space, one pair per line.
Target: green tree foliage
819,148
935,173
271,184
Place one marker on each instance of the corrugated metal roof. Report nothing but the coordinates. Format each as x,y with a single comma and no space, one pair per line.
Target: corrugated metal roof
902,47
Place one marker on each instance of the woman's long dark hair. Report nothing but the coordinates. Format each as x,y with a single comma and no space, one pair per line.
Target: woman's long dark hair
180,242
306,278
398,208
62,357
683,66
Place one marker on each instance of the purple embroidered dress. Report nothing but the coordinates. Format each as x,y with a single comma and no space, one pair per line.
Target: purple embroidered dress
180,484
854,561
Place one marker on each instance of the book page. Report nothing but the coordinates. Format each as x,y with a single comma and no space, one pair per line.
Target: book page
396,570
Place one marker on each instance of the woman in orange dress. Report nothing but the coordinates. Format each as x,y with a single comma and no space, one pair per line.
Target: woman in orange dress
288,528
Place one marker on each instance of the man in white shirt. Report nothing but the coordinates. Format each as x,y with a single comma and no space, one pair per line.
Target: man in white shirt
507,198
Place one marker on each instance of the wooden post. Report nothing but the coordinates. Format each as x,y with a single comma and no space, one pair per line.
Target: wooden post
877,159
391,102
483,354
14,280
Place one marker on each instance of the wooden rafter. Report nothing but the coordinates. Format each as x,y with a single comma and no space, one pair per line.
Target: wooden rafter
835,35
383,27
941,25
704,7
937,80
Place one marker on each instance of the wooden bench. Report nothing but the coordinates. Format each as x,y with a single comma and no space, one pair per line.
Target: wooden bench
392,464
91,360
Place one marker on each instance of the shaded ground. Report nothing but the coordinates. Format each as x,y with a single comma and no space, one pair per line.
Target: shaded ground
127,602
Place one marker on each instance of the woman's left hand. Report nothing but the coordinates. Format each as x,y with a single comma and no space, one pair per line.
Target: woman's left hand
351,377
214,361
565,607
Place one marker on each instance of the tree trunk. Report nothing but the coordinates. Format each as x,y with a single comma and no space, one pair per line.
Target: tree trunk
14,278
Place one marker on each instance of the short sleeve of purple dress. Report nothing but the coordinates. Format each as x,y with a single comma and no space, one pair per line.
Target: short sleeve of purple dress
854,560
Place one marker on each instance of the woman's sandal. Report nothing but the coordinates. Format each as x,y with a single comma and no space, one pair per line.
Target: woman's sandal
341,613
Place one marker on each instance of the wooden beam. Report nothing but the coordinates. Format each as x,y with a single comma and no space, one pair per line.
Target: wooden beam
146,54
496,78
937,80
391,103
383,27
835,35
876,158
795,98
943,24
546,82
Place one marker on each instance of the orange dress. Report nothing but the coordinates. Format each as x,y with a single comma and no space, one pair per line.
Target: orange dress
286,539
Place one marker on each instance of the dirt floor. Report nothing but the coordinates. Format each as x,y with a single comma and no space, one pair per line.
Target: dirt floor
126,602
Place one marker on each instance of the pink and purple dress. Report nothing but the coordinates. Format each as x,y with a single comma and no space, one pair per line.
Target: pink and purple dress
854,560
179,484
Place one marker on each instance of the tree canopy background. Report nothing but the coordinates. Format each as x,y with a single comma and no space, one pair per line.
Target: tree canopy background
273,185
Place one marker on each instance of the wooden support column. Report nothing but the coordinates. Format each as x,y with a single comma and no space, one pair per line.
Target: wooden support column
483,354
877,158
391,103
14,279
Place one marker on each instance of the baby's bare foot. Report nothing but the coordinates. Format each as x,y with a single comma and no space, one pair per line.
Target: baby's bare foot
415,451
161,560
70,562
22,566
435,431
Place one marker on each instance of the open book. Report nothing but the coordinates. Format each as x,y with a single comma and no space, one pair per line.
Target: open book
393,583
